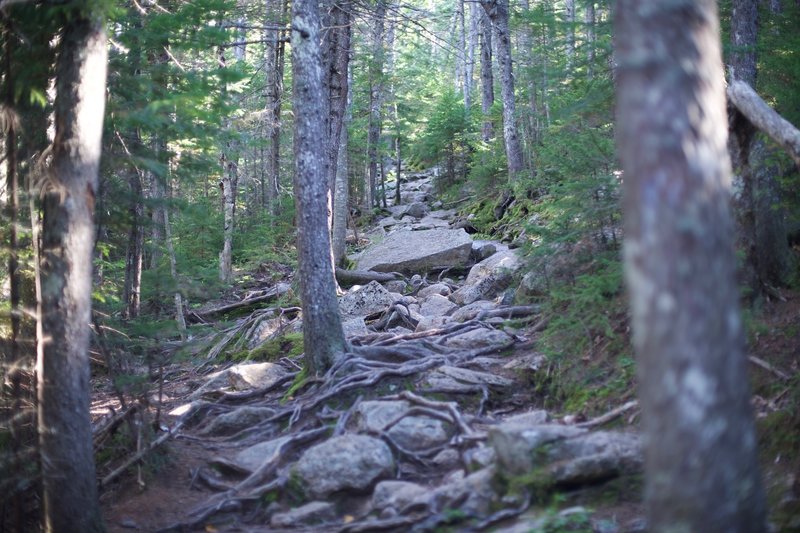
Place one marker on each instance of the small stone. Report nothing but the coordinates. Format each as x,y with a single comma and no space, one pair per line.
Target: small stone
395,494
254,456
479,338
237,420
436,288
361,301
436,305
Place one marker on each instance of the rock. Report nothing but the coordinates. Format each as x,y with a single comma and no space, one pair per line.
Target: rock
572,455
396,494
447,458
237,420
488,278
436,288
255,376
532,285
242,376
537,417
418,251
472,376
532,362
436,305
479,338
479,457
265,330
516,443
472,310
253,457
474,495
387,222
431,322
395,285
361,301
310,514
411,432
349,462
482,250
353,327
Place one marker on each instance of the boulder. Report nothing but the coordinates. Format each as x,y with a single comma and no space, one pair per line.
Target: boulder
417,251
310,514
532,285
348,462
395,285
355,326
361,301
254,456
436,305
571,455
488,278
240,377
417,210
483,249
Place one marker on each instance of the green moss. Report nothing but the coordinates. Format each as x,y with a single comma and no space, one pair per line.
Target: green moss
299,381
287,345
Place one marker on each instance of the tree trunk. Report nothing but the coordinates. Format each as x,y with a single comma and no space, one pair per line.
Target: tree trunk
180,319
589,20
68,472
700,458
569,16
135,248
375,102
498,14
323,337
341,203
487,79
273,70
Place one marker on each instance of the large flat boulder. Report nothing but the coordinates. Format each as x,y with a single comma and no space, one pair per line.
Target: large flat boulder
418,251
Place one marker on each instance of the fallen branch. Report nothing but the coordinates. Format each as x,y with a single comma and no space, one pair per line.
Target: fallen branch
609,416
140,455
362,277
763,117
769,368
271,294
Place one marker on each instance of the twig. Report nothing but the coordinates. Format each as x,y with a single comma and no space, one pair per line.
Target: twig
140,455
609,416
769,368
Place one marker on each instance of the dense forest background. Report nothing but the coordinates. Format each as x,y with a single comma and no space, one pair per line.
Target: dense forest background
195,199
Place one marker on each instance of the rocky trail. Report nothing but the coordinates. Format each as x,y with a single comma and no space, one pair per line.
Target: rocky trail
428,424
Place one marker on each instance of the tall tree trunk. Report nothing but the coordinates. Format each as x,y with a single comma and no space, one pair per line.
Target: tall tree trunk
589,20
273,70
180,319
487,79
700,458
229,186
761,231
375,102
323,337
569,17
472,43
135,248
498,14
68,472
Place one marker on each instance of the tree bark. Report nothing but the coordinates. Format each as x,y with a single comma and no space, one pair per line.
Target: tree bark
497,10
570,20
589,20
487,79
341,203
375,102
273,69
700,457
68,472
323,337
135,248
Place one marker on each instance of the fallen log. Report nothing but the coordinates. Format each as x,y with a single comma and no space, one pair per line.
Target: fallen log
763,117
362,277
271,294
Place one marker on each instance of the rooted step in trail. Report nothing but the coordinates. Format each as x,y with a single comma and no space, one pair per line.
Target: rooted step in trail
426,423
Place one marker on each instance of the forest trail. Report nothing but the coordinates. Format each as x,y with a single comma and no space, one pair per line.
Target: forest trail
429,423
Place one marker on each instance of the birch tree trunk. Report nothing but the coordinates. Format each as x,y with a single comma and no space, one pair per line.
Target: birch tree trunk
497,10
68,232
323,337
700,457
